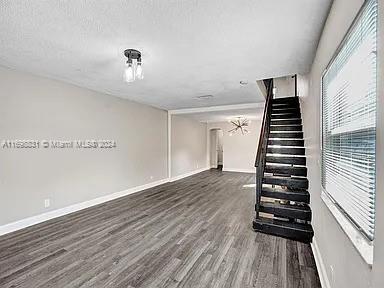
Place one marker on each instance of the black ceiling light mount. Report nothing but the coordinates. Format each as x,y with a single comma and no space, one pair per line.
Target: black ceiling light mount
132,54
133,69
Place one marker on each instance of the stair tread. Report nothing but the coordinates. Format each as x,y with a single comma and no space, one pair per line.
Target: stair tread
286,150
286,125
294,160
285,132
285,100
285,116
288,134
291,182
286,122
298,114
287,128
288,156
286,108
292,179
286,105
290,211
274,193
289,225
281,190
288,170
275,205
286,142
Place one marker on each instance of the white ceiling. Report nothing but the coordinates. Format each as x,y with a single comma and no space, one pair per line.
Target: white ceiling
222,113
190,47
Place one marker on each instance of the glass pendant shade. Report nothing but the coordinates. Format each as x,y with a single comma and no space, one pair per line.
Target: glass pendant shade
128,73
139,72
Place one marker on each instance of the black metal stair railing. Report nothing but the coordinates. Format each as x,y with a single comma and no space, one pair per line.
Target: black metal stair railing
263,143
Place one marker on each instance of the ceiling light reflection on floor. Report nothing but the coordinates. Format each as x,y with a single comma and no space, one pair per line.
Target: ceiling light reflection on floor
249,186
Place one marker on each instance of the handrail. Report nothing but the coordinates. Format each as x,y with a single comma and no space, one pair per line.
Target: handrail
263,143
266,120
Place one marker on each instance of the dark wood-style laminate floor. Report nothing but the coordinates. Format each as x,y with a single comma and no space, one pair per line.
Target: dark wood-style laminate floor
195,232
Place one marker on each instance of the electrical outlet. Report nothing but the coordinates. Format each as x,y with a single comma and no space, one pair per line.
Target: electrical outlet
47,203
151,177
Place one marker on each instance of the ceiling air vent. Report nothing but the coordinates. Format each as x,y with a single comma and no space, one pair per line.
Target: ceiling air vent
204,97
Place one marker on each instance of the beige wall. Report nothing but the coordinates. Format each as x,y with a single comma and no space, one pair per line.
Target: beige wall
343,264
239,151
285,86
188,145
220,135
38,108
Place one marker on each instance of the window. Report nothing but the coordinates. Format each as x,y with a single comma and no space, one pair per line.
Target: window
349,123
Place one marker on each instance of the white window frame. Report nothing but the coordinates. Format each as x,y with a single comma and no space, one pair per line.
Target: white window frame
358,239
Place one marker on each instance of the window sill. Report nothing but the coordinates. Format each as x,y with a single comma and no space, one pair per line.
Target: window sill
363,246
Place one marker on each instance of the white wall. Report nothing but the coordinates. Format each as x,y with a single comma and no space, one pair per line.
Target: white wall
220,135
215,152
37,108
188,145
213,143
285,86
302,85
343,264
239,151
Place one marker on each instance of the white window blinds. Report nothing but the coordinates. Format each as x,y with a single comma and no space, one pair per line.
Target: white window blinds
349,122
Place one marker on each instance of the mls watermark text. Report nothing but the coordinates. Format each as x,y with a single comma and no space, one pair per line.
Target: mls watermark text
57,144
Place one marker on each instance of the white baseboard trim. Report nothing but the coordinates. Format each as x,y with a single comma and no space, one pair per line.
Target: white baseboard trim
320,265
239,170
14,226
24,223
188,174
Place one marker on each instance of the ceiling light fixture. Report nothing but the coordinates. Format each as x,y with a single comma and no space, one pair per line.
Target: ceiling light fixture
240,124
133,69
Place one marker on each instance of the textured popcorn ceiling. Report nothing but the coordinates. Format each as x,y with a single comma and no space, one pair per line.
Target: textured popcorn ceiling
190,47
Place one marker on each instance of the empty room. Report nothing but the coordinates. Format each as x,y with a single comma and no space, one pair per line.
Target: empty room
191,143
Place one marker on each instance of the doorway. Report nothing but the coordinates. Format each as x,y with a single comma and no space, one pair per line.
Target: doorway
216,148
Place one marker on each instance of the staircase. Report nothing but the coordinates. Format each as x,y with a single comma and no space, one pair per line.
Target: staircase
281,176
